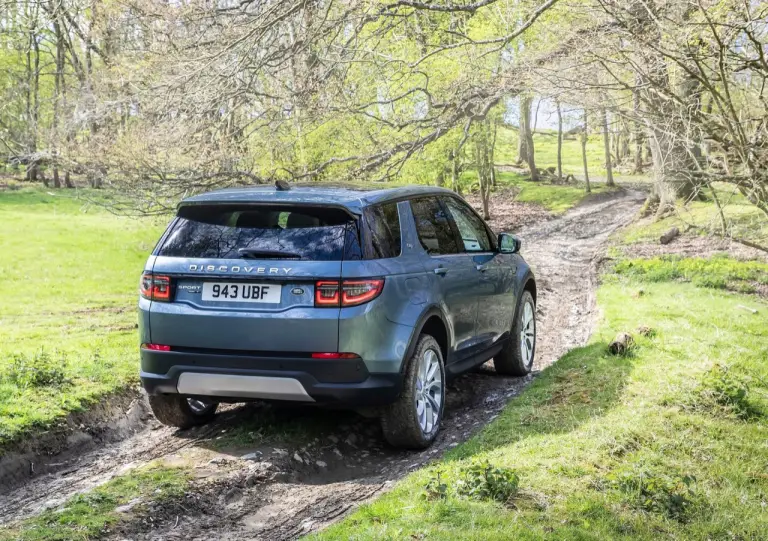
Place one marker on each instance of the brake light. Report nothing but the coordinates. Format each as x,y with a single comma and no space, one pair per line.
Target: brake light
156,347
335,356
354,292
155,287
348,293
326,293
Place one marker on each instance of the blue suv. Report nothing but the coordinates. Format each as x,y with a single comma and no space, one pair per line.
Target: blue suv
366,299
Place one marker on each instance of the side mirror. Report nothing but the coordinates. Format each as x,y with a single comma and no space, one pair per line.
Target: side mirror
509,244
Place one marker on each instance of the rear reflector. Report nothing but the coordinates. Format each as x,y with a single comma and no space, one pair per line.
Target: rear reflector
348,292
156,347
335,356
155,287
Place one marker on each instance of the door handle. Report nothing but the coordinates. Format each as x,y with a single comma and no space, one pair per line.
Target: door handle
441,271
482,268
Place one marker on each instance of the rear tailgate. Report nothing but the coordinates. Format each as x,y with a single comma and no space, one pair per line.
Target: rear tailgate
292,324
255,304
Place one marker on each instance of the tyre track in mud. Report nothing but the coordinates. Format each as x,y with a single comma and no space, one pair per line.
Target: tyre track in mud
299,487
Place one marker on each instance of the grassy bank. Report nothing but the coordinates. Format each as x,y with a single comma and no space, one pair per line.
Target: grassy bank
67,305
668,441
94,514
742,219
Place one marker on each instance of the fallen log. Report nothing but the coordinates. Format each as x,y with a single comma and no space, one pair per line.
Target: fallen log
621,344
669,236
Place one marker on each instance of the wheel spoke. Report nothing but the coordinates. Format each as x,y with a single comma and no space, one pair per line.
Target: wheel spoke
430,418
431,373
435,385
433,402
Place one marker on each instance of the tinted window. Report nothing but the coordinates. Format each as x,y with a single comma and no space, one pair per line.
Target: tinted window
383,223
433,226
233,232
474,235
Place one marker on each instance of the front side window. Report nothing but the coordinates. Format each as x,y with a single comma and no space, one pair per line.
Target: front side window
259,232
474,235
383,222
433,226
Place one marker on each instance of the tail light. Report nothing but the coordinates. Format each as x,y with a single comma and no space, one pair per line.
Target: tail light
156,347
326,293
155,287
347,292
332,356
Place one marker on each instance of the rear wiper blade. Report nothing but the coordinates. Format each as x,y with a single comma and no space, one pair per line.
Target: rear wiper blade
267,254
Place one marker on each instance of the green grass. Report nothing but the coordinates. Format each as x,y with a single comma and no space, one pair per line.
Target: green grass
743,220
92,514
645,446
545,148
67,304
557,198
719,272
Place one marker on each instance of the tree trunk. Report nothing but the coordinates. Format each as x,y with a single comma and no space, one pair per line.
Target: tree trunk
482,140
665,119
638,135
525,146
583,138
56,97
492,151
607,143
559,143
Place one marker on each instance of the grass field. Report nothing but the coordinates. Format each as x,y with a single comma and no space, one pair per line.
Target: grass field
666,442
545,147
67,305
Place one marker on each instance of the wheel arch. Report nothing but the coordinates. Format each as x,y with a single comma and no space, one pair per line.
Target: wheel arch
530,286
431,322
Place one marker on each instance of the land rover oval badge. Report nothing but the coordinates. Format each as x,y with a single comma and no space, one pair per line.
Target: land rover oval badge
297,291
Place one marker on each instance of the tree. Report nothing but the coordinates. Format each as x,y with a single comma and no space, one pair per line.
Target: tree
607,144
583,136
526,152
559,142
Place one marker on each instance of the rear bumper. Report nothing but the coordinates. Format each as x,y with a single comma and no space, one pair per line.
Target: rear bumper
242,376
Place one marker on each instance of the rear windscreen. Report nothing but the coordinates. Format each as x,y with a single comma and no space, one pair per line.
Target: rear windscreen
235,232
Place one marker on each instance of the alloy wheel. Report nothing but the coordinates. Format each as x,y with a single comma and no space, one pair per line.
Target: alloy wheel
528,334
429,391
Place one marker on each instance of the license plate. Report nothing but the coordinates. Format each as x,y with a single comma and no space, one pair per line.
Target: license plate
239,292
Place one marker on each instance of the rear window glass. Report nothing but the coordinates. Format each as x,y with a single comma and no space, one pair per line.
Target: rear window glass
383,223
234,232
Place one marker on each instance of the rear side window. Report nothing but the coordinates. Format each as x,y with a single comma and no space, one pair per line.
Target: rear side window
383,223
433,226
259,232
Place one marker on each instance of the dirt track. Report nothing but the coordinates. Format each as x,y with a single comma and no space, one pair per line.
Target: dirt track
308,468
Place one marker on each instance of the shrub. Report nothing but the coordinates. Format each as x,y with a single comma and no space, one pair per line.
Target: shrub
483,481
436,488
670,495
38,370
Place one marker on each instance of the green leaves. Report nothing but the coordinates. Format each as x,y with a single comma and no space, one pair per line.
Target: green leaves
480,481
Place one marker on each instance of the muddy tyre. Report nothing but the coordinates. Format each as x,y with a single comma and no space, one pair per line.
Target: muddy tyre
180,411
413,421
516,359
